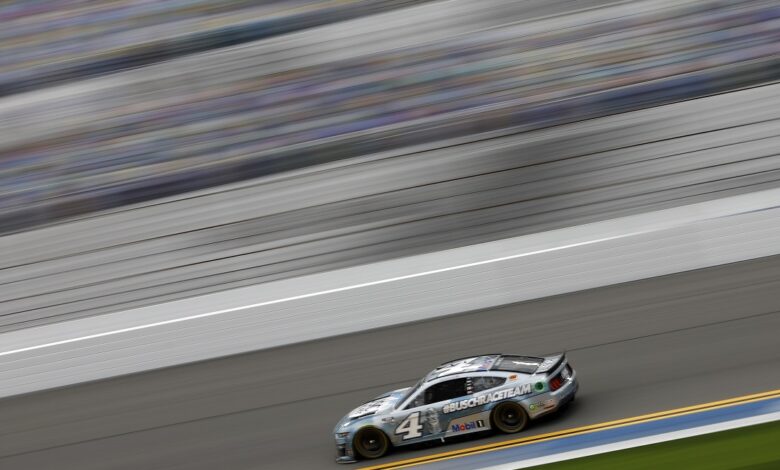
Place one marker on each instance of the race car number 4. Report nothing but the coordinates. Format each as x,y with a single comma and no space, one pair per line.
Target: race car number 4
410,427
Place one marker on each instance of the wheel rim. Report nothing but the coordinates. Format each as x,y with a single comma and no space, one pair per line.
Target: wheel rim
371,443
510,417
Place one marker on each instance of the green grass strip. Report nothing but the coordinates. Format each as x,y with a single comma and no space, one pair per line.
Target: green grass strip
753,447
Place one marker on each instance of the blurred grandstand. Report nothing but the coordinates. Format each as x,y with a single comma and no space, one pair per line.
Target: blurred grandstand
222,114
47,42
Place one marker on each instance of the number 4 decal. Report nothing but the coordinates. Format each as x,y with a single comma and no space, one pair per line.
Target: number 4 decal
410,427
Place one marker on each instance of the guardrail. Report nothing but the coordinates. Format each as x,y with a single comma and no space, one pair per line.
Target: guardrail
391,292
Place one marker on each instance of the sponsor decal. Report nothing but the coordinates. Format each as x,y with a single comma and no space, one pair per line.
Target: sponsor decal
513,377
471,425
542,405
487,398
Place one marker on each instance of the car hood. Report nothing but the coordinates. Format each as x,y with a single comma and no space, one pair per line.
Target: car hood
379,405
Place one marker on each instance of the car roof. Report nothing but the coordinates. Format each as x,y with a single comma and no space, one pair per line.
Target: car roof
463,365
485,363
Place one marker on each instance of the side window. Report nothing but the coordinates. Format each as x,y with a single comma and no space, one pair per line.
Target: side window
479,384
446,390
440,392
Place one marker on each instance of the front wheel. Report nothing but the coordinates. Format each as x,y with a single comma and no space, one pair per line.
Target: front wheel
509,417
371,443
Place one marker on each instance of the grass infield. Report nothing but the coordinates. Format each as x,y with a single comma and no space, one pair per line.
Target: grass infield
751,448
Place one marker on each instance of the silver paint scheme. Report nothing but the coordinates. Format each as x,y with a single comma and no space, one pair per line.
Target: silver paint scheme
391,412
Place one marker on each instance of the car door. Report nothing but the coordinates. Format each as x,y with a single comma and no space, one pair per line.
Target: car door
471,413
421,417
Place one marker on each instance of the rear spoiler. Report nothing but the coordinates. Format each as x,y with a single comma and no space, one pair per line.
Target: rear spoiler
551,363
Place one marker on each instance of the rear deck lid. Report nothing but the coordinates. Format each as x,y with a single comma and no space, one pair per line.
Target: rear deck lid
521,364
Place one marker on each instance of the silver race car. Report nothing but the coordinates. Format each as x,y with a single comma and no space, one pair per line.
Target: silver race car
495,391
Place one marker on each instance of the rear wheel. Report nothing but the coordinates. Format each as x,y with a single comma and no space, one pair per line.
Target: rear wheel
509,417
371,443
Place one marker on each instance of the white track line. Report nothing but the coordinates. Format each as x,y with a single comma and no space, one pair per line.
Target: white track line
310,294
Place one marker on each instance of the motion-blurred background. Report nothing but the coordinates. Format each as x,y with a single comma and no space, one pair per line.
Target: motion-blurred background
116,102
325,133
158,150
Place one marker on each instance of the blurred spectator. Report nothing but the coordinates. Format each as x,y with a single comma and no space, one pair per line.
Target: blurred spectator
49,41
174,128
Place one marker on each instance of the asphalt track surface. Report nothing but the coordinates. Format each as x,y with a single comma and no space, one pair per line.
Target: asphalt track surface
640,347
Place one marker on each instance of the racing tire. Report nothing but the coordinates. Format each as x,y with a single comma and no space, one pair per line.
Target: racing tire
370,443
509,417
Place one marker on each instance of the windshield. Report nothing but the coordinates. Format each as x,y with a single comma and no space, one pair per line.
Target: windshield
411,392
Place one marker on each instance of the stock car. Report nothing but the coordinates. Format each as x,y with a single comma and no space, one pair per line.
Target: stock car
489,392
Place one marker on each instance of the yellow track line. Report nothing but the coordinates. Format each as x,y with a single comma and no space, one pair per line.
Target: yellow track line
575,431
